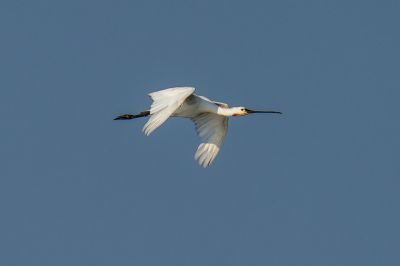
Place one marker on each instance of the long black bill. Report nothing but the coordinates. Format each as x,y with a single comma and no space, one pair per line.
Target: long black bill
262,112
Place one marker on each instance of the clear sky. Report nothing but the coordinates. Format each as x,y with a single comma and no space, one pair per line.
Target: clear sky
316,186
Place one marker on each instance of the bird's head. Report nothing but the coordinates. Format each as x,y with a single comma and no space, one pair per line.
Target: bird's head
242,111
239,111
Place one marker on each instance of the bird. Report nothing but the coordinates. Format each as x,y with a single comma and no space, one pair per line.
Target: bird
210,117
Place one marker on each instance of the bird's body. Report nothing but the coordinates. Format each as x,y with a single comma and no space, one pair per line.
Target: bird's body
209,117
195,105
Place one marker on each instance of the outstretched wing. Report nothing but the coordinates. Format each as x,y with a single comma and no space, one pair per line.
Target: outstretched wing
211,128
164,104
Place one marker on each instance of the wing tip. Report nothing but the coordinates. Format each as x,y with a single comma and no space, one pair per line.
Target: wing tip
155,93
206,154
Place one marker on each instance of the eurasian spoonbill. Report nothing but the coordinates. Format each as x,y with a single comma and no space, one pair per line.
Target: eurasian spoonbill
210,117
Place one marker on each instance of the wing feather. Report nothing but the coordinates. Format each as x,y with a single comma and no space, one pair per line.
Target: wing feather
165,103
211,128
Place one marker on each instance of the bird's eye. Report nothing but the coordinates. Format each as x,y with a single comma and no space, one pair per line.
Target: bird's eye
242,109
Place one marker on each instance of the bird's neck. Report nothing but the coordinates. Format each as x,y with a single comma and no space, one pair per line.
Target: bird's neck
225,111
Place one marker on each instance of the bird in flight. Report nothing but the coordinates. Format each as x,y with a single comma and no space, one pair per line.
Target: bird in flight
210,117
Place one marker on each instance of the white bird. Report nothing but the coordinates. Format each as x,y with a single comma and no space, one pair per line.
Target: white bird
209,117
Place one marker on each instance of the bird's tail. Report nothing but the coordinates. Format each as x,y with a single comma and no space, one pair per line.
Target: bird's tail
129,116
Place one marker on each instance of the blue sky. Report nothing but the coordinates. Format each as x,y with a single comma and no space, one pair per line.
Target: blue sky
316,186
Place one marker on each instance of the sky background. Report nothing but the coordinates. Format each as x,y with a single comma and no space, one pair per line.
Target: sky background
316,186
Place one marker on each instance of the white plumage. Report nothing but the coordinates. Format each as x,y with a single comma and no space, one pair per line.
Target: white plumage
211,128
165,104
209,117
